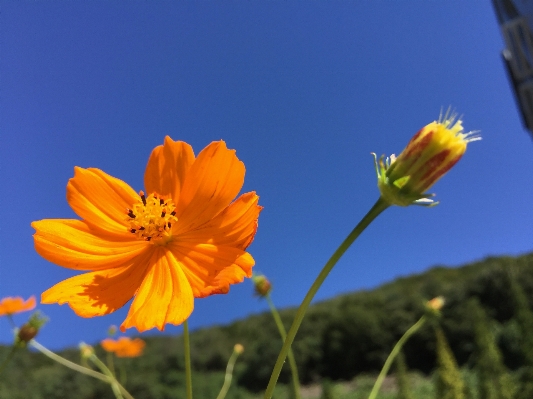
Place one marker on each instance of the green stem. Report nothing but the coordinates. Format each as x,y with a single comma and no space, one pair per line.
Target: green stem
378,207
8,358
228,376
123,375
68,363
112,380
76,367
11,321
188,374
283,333
110,363
414,328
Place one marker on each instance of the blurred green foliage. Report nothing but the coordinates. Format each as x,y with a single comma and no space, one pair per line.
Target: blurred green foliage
524,326
494,380
339,339
402,378
449,384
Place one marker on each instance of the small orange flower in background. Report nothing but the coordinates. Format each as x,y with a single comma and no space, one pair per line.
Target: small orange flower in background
10,305
430,154
182,239
124,346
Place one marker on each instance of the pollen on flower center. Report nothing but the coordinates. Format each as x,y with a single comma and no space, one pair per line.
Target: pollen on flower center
151,217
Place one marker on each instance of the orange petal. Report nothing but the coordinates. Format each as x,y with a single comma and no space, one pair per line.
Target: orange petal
73,244
130,347
165,296
101,200
11,305
213,181
124,346
109,345
235,226
167,167
135,348
211,269
99,293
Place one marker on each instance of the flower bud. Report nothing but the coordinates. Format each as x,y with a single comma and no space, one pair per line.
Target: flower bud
238,348
86,350
112,331
432,152
30,330
436,303
262,285
27,333
433,307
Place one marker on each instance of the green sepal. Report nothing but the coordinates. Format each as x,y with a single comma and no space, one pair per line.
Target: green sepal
402,181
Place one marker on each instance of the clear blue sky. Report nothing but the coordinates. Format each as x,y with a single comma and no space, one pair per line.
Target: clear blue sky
304,91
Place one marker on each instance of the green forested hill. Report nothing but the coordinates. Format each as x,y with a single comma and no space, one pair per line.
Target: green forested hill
339,339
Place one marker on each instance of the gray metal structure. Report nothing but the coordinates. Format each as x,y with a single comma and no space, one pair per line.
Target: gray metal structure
516,23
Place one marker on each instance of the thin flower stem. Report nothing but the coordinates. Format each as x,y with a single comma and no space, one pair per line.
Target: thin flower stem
414,328
123,375
283,333
228,376
68,363
76,367
8,358
110,363
113,381
11,321
378,207
188,374
13,347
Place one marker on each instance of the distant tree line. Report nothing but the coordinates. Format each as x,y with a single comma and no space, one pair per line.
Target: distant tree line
339,339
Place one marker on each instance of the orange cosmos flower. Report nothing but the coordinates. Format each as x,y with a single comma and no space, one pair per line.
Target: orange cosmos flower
185,238
9,305
124,346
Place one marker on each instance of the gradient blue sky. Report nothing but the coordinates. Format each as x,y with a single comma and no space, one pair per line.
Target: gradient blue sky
304,91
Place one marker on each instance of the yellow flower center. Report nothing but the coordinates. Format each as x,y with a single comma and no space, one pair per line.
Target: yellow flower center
152,217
